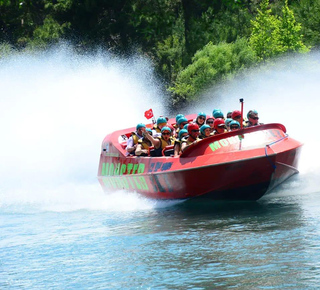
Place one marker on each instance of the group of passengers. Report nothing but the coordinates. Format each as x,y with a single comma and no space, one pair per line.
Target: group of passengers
185,132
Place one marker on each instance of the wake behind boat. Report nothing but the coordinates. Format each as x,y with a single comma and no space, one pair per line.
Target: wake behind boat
240,165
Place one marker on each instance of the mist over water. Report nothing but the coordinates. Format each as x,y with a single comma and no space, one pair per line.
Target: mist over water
56,107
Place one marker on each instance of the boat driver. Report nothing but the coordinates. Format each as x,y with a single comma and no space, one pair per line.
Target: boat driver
133,140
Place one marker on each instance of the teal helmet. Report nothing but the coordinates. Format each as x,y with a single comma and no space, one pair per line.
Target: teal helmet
186,126
161,120
182,120
178,117
165,129
139,126
234,122
214,110
202,114
182,131
227,121
203,127
252,112
218,114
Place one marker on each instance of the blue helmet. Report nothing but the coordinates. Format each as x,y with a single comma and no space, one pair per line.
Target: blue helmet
214,110
161,120
178,117
203,127
218,114
251,112
182,120
186,126
227,121
139,126
182,131
165,129
234,122
202,114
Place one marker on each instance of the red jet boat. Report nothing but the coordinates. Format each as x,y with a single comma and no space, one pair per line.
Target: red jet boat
240,165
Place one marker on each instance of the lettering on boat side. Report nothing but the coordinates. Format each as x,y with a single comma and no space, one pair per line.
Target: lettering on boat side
224,142
121,169
123,182
159,166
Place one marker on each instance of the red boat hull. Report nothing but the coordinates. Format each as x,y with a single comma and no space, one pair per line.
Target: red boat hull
231,166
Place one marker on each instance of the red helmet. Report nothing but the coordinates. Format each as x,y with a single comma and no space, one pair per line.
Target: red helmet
192,126
218,122
235,114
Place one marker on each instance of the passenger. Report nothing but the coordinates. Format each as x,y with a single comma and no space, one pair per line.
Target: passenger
144,144
186,126
253,119
205,131
183,133
161,122
177,119
133,140
201,118
234,125
209,122
193,131
218,114
160,143
229,114
227,122
236,115
181,123
219,126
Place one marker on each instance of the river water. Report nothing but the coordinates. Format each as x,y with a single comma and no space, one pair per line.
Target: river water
58,230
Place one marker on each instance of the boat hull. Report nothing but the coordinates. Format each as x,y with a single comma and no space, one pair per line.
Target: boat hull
234,171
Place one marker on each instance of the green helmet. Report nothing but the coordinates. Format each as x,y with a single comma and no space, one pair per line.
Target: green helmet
165,129
218,114
182,120
202,114
139,126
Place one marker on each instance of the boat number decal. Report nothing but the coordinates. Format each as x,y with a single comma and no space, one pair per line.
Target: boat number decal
159,166
120,169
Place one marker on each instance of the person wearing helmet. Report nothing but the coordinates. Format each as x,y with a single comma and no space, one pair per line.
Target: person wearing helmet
193,131
218,114
253,119
133,140
161,142
201,119
181,123
229,114
177,119
234,125
219,126
161,122
205,131
227,122
143,145
183,133
209,122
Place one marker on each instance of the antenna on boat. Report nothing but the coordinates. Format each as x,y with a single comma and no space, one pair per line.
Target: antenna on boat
241,123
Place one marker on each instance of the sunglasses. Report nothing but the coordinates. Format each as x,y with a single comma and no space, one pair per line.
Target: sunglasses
234,127
202,118
254,118
167,133
195,131
237,117
210,122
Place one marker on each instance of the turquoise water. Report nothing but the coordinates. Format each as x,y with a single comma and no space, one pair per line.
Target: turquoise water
58,230
270,244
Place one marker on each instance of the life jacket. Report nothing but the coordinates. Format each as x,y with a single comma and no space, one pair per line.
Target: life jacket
155,127
145,144
135,137
158,152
